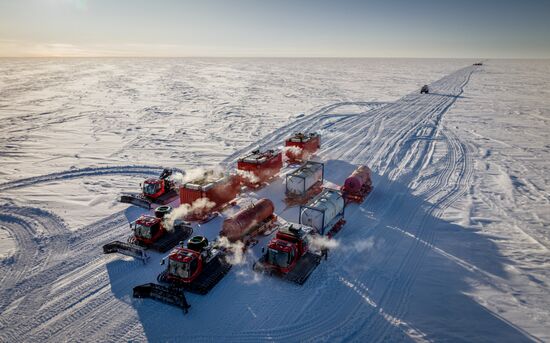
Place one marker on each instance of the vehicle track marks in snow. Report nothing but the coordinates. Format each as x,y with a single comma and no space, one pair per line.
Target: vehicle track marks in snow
409,151
80,173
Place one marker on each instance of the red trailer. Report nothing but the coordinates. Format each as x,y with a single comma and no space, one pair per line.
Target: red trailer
258,167
301,146
208,194
249,221
358,185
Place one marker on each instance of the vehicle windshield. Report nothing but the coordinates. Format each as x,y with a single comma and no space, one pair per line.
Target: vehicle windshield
179,269
151,188
277,258
142,231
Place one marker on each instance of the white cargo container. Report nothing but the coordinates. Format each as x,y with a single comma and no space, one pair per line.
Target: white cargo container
302,179
324,211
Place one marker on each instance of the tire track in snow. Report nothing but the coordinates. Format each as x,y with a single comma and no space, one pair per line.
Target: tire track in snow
36,232
306,123
423,239
412,261
57,283
375,148
79,173
405,275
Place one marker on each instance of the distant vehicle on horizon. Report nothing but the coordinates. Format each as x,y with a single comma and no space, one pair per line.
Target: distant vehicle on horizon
425,89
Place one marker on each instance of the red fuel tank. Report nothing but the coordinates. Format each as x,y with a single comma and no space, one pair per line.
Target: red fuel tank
357,179
248,220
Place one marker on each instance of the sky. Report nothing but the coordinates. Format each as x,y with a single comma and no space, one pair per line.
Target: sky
276,28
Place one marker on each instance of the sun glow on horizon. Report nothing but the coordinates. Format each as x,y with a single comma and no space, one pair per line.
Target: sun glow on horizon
284,28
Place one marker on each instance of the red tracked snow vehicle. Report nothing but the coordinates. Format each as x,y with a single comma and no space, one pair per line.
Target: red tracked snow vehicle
304,183
161,190
301,146
289,254
248,222
358,185
195,268
208,194
259,167
150,232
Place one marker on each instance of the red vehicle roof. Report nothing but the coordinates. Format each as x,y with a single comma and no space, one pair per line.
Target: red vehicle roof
185,255
147,220
280,245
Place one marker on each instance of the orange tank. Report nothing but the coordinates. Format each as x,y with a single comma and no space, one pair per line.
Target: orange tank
248,221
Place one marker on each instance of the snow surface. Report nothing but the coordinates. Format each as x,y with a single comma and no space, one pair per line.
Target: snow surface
451,245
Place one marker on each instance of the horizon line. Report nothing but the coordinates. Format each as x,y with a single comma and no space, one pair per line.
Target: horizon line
283,57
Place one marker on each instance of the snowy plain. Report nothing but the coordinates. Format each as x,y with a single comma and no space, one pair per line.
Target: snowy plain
451,245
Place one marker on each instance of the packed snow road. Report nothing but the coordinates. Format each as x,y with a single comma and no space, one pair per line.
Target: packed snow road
400,270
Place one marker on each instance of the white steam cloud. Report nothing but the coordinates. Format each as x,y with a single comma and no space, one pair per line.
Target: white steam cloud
199,205
360,246
293,150
249,277
363,245
177,178
250,176
235,251
323,242
198,175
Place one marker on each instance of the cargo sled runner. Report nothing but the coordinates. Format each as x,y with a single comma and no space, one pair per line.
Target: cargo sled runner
161,190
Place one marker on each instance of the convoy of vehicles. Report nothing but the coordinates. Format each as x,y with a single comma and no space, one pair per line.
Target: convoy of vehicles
291,253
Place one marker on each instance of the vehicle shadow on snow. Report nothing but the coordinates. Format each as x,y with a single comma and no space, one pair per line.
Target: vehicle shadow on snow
398,269
417,268
132,213
449,95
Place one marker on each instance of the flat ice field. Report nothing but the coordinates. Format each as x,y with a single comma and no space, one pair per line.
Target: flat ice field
451,245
